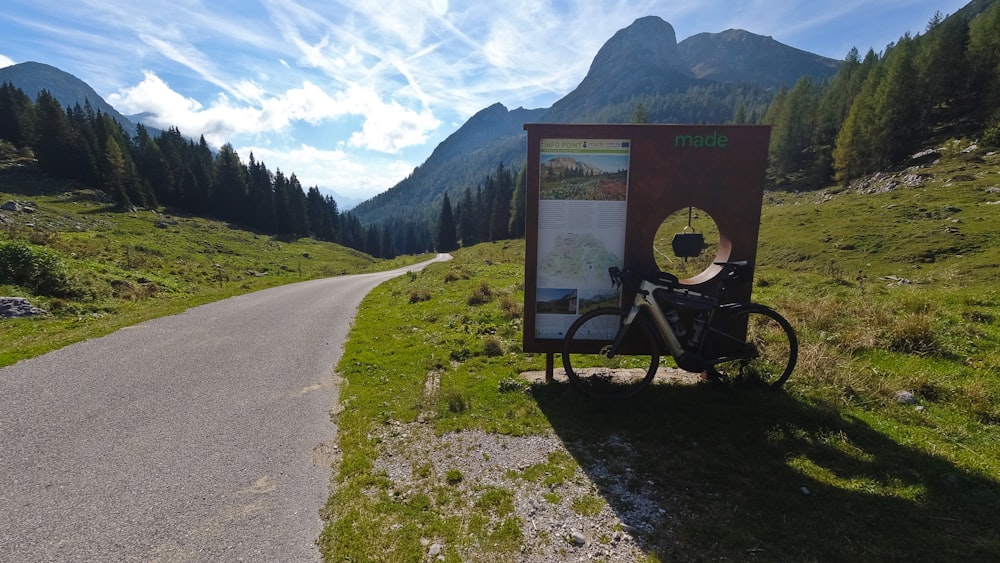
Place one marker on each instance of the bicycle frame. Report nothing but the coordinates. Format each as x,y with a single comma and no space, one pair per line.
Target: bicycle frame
644,300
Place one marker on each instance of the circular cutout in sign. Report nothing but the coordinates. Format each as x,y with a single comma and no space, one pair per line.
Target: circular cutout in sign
687,243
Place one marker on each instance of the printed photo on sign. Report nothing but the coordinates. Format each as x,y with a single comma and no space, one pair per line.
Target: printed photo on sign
583,192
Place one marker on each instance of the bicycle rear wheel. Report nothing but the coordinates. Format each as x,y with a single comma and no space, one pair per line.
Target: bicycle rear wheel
588,344
766,355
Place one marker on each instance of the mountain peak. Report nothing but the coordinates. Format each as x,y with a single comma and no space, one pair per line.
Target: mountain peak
649,38
736,55
641,59
33,77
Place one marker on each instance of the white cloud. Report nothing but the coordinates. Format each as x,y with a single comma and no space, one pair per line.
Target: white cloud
153,95
388,126
6,61
391,127
334,170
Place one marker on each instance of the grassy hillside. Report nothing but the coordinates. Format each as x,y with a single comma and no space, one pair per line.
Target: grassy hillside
884,445
102,269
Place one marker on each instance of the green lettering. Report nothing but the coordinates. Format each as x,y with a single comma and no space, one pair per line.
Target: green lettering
701,141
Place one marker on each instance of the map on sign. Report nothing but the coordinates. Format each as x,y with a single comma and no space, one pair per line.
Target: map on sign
577,257
583,188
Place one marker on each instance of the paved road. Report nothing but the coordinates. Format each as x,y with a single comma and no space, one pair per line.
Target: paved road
204,436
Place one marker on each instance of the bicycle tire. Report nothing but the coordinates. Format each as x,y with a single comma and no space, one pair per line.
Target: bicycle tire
585,349
765,354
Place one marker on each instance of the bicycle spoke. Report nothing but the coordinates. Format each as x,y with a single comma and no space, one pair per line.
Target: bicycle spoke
767,353
588,346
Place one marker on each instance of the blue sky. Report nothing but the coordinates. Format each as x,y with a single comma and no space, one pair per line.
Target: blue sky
352,95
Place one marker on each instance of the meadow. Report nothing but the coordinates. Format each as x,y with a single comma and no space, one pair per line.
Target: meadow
95,269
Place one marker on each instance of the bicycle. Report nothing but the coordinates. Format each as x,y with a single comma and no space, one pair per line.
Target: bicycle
615,351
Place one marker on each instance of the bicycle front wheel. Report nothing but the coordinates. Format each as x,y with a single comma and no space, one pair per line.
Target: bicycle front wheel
765,355
595,368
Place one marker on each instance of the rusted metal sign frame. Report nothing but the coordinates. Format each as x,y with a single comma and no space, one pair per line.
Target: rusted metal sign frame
719,169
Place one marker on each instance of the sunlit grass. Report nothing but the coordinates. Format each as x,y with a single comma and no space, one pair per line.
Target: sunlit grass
129,267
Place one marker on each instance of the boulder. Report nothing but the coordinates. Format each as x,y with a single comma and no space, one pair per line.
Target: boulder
14,307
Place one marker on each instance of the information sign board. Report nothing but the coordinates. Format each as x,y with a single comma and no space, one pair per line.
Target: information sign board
596,194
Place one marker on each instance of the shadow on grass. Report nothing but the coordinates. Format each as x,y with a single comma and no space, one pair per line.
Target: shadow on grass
702,473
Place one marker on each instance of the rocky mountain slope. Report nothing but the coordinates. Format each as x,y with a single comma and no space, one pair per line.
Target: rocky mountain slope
642,61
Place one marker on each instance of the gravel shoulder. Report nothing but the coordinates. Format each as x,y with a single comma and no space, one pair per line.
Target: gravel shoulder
574,501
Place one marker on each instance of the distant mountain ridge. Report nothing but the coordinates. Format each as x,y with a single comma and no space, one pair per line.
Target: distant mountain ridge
491,136
735,55
565,163
33,77
641,62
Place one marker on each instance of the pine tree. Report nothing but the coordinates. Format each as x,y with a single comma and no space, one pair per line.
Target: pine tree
794,126
467,220
373,240
199,184
116,166
17,116
153,167
55,137
518,204
853,149
984,58
740,116
387,247
410,245
297,207
229,197
833,107
640,114
500,209
83,161
260,195
333,217
447,237
942,64
114,174
315,211
899,121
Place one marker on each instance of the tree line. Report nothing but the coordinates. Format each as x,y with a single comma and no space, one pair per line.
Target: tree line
495,211
146,171
879,109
